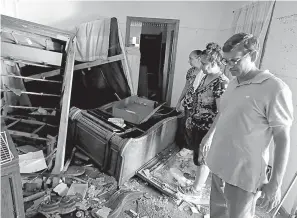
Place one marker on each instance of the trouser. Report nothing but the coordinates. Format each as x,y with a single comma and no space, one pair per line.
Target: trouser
228,201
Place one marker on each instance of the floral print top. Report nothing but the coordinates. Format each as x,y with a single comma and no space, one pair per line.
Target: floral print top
204,108
188,99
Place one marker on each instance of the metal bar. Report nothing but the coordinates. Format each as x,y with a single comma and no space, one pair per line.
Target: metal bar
28,121
26,62
98,62
44,75
31,78
27,107
27,135
12,124
38,129
32,93
79,66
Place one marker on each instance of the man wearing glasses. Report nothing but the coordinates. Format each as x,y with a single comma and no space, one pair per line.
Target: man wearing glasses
255,110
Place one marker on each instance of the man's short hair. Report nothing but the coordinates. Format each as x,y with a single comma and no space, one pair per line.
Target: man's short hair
249,42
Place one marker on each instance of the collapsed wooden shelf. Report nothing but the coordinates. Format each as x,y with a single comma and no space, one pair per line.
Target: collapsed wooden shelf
27,44
50,49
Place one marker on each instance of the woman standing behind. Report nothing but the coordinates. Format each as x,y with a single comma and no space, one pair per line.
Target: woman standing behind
204,109
193,78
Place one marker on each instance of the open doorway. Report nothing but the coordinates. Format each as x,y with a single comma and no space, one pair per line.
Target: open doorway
157,41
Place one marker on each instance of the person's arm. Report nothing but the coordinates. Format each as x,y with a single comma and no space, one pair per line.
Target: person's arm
281,137
206,141
186,87
279,114
271,192
218,92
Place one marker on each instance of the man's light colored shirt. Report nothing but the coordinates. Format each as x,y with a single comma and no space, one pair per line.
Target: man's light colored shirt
239,152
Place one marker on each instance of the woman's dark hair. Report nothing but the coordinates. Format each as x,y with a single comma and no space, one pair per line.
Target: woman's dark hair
214,53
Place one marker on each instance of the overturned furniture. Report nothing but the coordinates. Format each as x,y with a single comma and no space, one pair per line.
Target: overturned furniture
37,69
119,150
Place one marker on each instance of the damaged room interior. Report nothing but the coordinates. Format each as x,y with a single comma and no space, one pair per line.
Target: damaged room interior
148,109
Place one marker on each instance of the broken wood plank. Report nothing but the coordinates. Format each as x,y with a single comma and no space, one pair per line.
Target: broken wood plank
30,93
34,28
98,62
31,78
37,41
69,160
45,74
35,196
125,64
32,63
78,67
12,124
65,106
32,108
28,121
26,134
26,53
38,129
50,175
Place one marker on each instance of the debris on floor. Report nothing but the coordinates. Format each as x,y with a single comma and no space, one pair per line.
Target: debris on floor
85,192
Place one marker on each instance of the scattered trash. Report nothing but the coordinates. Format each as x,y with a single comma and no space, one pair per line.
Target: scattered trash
80,214
146,195
75,171
131,213
78,189
61,189
35,196
27,148
33,186
178,175
102,213
194,210
184,152
32,162
183,205
117,121
147,173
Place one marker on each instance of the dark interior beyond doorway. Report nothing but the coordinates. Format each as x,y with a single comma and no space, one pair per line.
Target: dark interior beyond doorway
151,66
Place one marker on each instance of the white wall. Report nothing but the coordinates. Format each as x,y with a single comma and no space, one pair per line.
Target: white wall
198,21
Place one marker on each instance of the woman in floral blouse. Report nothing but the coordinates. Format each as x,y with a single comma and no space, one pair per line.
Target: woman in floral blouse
193,78
204,109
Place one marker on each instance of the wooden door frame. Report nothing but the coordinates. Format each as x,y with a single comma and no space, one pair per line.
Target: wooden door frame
170,74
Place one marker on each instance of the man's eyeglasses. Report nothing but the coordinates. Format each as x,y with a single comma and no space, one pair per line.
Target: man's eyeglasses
233,62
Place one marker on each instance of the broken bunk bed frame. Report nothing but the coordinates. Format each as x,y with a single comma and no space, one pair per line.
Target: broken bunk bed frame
46,47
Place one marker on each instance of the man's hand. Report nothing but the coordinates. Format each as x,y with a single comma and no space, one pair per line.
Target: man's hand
205,145
271,197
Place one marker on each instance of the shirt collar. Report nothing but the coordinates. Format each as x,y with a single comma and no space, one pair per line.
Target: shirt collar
258,79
